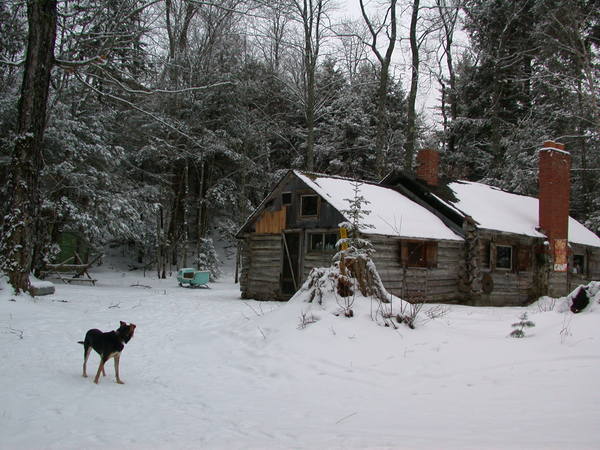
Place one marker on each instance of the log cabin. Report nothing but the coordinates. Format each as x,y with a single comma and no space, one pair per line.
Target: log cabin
443,242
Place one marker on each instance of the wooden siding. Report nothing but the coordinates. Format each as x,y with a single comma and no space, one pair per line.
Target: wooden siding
434,284
261,267
271,221
591,271
315,259
262,264
517,285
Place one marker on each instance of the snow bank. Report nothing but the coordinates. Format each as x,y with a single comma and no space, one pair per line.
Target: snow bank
208,370
564,304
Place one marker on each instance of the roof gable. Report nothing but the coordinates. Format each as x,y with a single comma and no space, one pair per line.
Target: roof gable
256,213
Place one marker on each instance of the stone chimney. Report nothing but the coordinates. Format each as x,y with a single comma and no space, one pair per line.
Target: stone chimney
428,162
554,189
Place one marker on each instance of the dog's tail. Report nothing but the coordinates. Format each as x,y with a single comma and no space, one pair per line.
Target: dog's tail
80,342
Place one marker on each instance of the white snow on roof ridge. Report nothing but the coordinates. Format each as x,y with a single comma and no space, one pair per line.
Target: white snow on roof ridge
495,209
391,213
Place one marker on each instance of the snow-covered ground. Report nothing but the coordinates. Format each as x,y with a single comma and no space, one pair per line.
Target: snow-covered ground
208,370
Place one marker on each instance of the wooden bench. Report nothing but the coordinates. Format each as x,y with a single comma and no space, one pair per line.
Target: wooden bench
69,273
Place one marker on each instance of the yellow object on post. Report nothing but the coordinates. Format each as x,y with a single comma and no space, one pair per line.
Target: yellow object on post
343,235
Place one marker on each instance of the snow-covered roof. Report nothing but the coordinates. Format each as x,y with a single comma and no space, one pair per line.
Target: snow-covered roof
391,213
495,209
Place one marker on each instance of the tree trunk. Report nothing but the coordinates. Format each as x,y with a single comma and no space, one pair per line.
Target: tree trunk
380,140
21,224
311,18
385,61
310,120
449,16
411,117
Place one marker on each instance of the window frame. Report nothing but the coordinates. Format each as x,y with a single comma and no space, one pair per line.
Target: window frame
322,248
301,206
512,257
428,258
283,202
583,270
416,260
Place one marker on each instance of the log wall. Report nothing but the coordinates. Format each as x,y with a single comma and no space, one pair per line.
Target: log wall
436,284
520,284
312,260
592,270
261,267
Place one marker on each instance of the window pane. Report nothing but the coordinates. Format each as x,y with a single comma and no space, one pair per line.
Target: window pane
503,257
309,205
316,241
416,254
330,241
578,263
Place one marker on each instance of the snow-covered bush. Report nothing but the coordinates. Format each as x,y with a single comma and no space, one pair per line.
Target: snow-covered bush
327,289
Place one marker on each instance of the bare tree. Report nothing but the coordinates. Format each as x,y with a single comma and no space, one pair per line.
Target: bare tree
376,29
353,48
271,31
313,18
448,11
411,116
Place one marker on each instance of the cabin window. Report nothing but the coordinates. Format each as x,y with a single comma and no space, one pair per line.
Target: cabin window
286,198
418,253
578,264
504,257
417,256
323,242
309,205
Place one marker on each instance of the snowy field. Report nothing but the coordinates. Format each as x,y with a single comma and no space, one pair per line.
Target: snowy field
208,370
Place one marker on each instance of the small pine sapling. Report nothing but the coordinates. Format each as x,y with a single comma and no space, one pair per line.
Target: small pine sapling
353,250
354,244
521,325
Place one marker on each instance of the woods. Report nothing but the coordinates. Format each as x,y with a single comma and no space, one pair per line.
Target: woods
163,124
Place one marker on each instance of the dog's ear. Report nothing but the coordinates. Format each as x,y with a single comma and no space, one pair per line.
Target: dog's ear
123,324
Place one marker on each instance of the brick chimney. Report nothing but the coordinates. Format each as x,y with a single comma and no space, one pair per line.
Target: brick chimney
428,162
554,189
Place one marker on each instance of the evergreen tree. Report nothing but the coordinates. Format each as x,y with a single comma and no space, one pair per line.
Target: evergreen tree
530,75
519,326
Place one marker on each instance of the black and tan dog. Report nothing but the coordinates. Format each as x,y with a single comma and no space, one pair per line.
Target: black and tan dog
107,345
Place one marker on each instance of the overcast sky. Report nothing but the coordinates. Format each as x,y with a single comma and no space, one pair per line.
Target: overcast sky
428,94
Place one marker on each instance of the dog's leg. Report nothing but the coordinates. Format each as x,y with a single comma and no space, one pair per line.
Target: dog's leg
86,354
100,369
117,358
